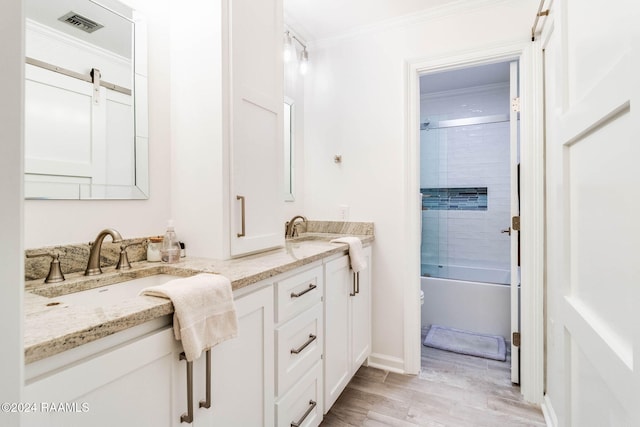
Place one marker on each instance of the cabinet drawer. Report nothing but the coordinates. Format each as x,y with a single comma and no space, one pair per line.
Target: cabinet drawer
299,344
297,293
303,403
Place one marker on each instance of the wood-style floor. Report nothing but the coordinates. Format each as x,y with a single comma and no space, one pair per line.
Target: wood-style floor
452,390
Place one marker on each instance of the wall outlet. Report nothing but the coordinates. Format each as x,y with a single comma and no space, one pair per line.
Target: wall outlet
343,212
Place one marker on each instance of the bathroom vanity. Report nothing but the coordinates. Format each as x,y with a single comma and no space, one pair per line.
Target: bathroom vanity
116,362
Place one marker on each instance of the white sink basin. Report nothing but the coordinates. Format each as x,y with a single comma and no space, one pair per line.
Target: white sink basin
114,294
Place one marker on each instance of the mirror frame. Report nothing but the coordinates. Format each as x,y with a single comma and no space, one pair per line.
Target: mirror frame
140,189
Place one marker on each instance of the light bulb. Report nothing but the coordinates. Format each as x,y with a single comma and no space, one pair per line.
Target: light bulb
304,62
289,51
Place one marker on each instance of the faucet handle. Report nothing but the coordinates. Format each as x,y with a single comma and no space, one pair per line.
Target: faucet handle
123,262
55,273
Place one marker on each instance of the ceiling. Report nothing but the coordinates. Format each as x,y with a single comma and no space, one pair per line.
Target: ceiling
321,19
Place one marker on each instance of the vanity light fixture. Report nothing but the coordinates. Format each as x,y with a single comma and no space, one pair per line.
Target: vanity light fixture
289,49
304,61
290,52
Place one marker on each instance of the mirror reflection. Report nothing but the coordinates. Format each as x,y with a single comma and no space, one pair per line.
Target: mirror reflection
85,101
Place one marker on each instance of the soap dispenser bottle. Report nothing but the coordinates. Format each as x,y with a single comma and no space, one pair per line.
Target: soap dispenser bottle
170,252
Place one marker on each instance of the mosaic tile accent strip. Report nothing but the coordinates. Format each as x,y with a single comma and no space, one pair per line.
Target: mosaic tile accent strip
454,199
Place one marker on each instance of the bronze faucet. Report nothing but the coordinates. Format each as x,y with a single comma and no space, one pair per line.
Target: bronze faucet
93,266
291,230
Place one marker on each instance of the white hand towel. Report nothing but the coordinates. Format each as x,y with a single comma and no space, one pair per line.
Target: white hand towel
356,255
204,311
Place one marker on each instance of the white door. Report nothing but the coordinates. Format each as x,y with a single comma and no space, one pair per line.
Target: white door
515,212
591,82
58,134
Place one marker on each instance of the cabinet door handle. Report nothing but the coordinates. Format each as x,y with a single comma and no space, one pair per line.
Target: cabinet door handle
188,417
207,403
312,404
311,339
299,294
358,283
242,210
353,294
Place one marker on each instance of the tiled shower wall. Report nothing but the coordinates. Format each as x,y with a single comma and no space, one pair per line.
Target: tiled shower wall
468,156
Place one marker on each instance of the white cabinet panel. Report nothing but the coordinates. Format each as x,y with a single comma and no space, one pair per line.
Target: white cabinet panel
256,123
347,320
361,317
337,364
242,372
303,403
298,293
130,385
298,346
257,176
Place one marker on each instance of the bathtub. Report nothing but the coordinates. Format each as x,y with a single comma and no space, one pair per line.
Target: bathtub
469,305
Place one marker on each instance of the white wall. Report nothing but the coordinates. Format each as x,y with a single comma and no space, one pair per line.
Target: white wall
11,190
60,222
355,105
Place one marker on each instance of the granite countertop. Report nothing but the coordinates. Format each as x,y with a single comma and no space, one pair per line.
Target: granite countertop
51,326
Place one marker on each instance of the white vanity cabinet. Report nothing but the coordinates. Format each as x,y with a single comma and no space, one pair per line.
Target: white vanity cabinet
347,324
127,385
242,372
299,337
256,124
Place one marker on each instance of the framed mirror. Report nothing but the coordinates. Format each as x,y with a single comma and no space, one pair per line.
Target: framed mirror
288,149
86,130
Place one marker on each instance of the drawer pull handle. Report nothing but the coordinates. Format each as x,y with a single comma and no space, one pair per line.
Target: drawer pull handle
312,404
299,294
188,417
311,339
207,403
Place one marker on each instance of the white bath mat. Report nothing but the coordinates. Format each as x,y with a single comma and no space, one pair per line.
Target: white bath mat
466,342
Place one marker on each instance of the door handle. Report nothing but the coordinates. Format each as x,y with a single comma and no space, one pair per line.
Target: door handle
242,206
188,417
354,284
506,230
207,402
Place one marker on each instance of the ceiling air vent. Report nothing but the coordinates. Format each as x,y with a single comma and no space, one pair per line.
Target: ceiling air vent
80,22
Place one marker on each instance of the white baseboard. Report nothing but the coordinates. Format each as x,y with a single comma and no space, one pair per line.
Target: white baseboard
387,363
550,416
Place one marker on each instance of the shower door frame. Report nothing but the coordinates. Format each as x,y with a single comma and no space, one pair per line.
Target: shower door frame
532,204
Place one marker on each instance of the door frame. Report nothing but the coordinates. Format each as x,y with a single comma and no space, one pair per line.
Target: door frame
532,203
